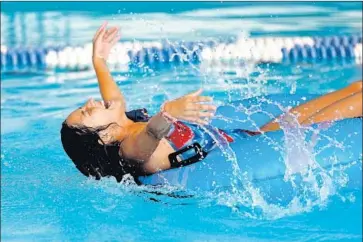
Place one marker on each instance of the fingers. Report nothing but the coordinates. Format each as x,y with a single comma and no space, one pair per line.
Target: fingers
194,94
116,39
201,99
201,107
198,117
199,114
100,35
110,34
100,31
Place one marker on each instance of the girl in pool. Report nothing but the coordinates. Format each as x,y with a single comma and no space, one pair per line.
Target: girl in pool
102,139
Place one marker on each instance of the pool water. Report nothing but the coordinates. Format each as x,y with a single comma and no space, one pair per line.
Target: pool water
43,196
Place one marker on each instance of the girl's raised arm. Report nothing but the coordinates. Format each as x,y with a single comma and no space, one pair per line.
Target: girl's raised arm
103,42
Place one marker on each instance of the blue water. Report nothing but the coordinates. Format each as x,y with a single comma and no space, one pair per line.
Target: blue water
43,196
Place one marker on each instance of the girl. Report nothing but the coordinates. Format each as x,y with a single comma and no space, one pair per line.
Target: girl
102,139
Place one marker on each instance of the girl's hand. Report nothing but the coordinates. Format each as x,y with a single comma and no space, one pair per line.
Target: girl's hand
190,108
104,40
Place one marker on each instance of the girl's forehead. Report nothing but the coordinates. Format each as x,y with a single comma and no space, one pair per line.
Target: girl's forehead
75,117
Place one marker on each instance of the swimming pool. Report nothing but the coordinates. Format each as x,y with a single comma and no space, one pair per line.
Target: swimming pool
45,198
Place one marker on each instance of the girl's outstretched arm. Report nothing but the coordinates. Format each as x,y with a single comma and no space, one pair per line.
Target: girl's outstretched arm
103,42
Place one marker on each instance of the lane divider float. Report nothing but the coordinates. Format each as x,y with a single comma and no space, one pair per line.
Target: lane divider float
257,50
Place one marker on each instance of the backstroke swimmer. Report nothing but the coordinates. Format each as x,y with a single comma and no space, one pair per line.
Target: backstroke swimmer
103,140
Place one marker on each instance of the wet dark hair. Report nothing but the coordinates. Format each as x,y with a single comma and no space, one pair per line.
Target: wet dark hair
92,156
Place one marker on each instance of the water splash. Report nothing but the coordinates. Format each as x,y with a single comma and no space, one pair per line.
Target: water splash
312,184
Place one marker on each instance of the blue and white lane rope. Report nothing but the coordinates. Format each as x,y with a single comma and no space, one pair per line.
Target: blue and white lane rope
257,50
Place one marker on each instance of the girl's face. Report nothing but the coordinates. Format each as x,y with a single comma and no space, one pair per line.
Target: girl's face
96,113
